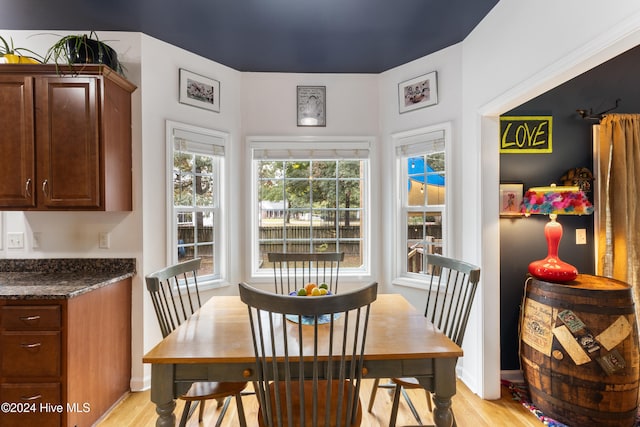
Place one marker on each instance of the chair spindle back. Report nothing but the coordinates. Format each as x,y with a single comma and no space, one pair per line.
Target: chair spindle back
292,271
451,289
175,294
324,390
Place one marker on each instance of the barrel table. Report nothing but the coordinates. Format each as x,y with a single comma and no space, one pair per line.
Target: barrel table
579,350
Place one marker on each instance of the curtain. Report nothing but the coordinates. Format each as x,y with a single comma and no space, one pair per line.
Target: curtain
619,218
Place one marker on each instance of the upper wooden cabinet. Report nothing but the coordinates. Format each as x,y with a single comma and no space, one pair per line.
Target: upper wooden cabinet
65,138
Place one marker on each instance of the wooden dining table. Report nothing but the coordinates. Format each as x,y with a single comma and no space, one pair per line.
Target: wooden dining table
215,344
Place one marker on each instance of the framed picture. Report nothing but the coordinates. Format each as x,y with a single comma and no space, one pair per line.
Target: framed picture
510,199
312,105
199,91
418,92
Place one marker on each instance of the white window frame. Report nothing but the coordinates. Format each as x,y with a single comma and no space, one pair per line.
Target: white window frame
220,141
321,148
409,139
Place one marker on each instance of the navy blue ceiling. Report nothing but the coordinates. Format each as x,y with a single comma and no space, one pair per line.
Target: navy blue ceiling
327,36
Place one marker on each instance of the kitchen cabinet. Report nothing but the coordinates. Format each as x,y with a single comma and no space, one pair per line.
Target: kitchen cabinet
65,361
66,138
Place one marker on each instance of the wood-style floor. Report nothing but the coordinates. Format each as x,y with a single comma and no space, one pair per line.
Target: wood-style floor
136,410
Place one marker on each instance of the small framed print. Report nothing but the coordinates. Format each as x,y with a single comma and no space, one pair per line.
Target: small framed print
418,92
510,199
311,105
199,91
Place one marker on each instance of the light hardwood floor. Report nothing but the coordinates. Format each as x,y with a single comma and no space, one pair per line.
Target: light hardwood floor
136,410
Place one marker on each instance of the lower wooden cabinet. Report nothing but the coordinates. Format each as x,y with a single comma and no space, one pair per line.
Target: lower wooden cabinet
31,404
65,362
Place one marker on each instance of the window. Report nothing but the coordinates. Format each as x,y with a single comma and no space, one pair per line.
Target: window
311,197
422,164
197,159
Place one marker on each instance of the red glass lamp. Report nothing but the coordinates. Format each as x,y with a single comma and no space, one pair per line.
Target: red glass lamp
554,201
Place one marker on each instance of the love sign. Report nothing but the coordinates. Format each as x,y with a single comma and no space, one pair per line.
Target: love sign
525,134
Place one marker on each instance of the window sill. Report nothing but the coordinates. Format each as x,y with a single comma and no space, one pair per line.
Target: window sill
422,284
409,283
208,285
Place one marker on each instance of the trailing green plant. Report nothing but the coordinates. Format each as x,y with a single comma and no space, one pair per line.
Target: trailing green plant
7,48
83,49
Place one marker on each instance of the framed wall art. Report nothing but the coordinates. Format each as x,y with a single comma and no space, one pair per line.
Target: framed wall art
510,199
311,105
199,91
418,92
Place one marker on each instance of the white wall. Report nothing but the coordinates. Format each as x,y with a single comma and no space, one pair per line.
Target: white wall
160,73
269,109
447,64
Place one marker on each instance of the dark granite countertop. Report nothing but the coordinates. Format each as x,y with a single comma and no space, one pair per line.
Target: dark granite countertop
60,278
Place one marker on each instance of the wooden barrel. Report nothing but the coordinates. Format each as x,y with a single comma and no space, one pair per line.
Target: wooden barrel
579,351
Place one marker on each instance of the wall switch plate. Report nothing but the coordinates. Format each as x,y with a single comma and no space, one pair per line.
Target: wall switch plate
104,240
15,240
581,236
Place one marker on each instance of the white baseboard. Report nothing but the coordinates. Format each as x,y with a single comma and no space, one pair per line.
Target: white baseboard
140,384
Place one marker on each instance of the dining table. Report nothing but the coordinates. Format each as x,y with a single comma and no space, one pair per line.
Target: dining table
215,344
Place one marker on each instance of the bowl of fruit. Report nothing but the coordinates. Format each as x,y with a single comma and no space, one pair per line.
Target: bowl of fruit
312,290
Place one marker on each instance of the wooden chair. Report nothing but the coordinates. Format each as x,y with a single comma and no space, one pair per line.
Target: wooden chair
175,296
329,334
292,271
450,292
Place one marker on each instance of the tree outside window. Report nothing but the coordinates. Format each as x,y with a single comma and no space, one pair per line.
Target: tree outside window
310,205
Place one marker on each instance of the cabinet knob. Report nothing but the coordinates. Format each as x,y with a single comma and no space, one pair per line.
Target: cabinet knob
247,373
45,184
27,187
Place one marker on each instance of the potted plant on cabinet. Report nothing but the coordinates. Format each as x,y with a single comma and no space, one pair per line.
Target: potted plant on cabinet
16,55
83,49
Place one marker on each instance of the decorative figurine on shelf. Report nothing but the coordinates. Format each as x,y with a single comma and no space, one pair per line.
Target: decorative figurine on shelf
578,177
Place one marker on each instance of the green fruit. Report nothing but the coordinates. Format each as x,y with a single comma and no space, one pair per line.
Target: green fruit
302,292
323,286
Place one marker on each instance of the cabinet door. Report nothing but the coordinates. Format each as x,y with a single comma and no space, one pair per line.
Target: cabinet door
68,142
17,143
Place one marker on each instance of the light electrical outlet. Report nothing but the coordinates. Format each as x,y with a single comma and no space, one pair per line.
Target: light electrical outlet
15,240
104,240
581,236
